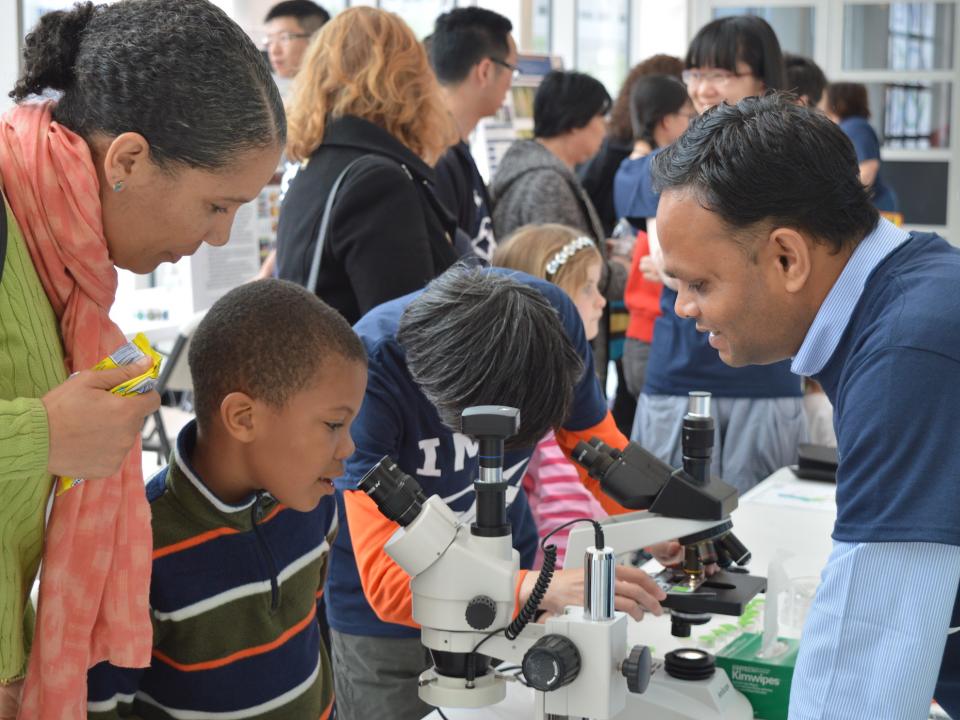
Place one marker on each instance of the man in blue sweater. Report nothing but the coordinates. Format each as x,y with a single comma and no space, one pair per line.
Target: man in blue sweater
780,254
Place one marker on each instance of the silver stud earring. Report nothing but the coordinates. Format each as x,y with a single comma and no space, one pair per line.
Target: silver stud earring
118,186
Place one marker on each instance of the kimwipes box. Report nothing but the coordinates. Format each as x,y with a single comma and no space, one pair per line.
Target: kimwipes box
764,680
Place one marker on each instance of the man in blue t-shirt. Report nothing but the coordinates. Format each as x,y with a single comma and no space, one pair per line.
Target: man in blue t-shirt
779,253
471,337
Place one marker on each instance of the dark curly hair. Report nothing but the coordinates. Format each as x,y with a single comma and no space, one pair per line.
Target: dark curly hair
268,339
179,72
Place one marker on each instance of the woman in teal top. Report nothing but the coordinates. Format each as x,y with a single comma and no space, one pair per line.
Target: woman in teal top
848,107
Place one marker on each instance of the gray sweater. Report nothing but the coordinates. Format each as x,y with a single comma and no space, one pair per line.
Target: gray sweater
532,186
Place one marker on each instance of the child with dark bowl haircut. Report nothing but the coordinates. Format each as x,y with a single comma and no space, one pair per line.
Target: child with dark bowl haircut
243,516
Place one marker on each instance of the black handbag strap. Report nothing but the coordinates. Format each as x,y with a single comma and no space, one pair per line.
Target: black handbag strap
325,223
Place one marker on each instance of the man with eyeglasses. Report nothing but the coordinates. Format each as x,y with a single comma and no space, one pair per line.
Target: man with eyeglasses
474,57
288,28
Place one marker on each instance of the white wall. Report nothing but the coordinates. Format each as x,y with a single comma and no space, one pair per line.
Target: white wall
9,49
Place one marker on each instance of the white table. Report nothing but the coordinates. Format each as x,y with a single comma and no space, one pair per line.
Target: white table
782,517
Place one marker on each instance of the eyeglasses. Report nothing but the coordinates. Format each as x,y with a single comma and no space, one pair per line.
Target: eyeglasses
718,78
282,38
503,63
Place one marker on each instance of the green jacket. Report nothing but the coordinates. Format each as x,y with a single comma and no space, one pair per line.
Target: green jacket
31,363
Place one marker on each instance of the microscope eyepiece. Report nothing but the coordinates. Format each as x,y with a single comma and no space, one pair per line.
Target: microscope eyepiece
398,496
595,457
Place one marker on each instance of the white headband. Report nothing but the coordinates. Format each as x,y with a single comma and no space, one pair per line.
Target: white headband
567,252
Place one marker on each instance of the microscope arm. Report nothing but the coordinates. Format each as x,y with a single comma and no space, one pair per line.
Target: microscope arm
634,531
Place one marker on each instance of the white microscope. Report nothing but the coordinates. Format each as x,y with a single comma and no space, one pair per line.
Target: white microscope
464,579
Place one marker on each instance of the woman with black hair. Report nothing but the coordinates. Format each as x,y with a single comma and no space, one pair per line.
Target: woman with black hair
166,121
597,174
732,58
758,409
660,111
535,181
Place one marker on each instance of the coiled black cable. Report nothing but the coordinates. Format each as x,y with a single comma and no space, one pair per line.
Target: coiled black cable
529,609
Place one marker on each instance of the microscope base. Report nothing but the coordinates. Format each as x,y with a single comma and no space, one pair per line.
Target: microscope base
442,691
670,699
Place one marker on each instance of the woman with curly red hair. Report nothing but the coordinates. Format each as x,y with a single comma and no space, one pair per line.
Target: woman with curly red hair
366,91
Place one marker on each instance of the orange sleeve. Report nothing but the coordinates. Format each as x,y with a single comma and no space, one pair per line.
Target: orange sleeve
608,432
516,593
386,585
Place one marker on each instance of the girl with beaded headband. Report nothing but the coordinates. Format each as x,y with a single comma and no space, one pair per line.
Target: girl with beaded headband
567,258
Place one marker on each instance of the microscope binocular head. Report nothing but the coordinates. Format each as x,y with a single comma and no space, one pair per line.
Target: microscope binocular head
637,479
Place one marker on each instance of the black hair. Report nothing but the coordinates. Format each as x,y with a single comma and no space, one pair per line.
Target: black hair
744,38
847,99
653,98
463,37
567,101
310,16
771,160
804,77
268,339
179,72
477,337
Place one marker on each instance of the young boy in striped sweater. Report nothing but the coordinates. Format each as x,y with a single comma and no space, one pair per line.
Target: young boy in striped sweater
243,516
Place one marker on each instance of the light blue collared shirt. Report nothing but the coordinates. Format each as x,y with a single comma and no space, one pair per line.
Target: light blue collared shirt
874,639
837,308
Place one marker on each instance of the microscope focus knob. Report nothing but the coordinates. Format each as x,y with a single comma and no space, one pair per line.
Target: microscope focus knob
552,662
636,669
481,612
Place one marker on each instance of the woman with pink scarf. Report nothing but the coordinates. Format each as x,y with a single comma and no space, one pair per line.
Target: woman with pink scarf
165,121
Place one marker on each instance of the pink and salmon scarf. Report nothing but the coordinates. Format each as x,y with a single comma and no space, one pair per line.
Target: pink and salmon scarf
95,578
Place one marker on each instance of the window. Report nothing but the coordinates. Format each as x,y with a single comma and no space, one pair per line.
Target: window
911,114
420,15
540,26
510,9
898,36
334,6
794,26
603,38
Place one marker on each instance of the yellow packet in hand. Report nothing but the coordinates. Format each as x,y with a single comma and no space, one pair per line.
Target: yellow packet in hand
128,354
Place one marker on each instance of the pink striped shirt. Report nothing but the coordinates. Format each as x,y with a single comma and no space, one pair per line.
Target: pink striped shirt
556,495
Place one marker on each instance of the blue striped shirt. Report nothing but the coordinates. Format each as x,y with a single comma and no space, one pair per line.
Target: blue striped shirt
874,640
834,315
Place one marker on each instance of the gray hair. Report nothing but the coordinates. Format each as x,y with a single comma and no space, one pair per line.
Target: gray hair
479,337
